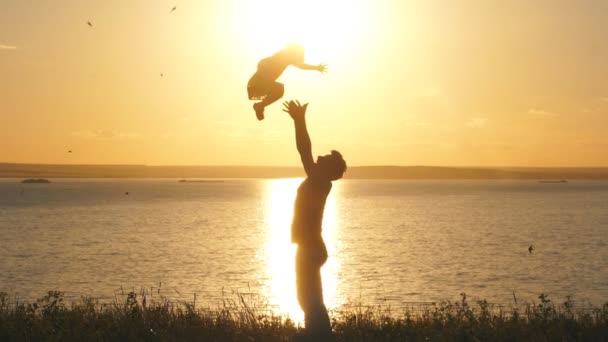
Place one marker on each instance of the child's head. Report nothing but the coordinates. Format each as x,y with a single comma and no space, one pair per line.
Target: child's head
295,52
331,166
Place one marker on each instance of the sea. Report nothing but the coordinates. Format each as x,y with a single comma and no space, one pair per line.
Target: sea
391,243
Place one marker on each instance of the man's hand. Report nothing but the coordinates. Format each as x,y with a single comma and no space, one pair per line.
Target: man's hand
295,109
322,68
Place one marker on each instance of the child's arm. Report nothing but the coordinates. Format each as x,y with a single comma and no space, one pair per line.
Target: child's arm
322,68
297,113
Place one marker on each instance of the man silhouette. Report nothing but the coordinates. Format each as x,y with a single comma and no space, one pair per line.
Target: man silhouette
306,226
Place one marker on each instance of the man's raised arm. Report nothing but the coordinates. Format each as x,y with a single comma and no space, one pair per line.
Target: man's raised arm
298,114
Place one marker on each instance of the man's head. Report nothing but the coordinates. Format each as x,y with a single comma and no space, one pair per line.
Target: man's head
331,166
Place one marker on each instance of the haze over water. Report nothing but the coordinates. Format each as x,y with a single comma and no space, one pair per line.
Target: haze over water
390,242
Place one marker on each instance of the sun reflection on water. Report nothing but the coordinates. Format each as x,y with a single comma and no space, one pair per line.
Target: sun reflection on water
280,252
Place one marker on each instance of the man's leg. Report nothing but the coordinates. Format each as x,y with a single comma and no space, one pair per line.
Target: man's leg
318,318
310,294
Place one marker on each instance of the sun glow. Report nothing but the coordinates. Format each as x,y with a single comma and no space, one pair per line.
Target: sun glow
280,253
329,30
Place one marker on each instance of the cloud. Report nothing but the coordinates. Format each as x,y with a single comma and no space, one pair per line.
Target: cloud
272,137
491,145
7,47
592,143
591,110
232,134
225,123
397,144
540,112
417,124
104,134
477,122
430,92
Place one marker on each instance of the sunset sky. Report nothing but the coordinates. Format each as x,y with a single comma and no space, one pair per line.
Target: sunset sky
410,82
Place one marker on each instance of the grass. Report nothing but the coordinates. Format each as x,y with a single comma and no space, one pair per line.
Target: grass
140,317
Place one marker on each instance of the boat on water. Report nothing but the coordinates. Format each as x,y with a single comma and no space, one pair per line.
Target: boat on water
35,181
553,181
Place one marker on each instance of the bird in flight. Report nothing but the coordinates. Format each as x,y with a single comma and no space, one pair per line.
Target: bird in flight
530,249
70,151
162,75
173,9
90,24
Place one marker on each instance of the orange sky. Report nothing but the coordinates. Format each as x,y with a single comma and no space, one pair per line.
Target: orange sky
473,82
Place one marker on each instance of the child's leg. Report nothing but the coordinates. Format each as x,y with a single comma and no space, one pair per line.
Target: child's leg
275,92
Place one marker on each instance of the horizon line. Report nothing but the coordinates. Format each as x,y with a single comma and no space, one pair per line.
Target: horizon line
298,166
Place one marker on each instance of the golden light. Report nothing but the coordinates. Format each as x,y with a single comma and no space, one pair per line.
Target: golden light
280,252
329,30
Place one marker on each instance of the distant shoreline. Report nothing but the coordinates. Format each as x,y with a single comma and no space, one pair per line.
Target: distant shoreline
8,170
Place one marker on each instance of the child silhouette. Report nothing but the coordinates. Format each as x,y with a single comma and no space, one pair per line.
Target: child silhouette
263,85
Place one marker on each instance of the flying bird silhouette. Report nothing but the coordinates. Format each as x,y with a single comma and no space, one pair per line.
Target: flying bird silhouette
70,151
162,75
90,24
530,249
173,9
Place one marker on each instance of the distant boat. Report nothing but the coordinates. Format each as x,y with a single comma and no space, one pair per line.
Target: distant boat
199,181
553,181
35,181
